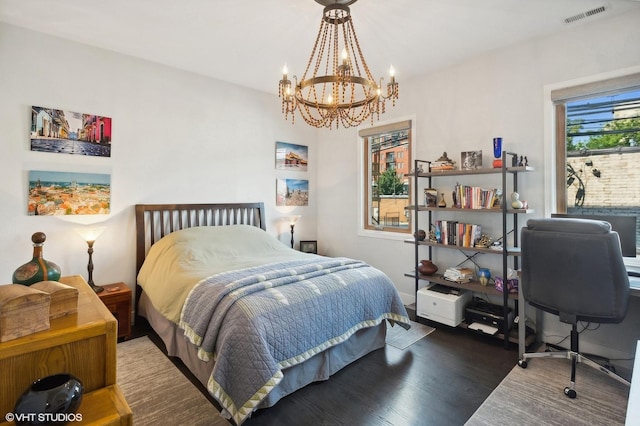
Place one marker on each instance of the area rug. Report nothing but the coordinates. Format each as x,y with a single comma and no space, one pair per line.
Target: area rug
535,396
401,338
157,392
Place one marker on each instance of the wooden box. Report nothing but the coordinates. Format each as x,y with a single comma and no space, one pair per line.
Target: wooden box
23,310
64,298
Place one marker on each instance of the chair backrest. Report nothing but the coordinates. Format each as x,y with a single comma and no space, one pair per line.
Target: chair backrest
574,269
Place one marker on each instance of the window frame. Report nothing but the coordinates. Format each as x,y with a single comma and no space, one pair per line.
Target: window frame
364,183
559,97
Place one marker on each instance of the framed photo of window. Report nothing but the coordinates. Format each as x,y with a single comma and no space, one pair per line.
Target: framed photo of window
309,247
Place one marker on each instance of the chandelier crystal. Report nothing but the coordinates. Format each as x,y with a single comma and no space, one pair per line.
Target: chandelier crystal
337,87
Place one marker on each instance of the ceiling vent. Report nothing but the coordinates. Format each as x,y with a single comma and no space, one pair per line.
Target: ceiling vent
583,15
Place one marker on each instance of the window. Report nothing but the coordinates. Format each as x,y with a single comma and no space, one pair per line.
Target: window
598,149
385,179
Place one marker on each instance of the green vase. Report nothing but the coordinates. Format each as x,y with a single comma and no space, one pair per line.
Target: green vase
38,269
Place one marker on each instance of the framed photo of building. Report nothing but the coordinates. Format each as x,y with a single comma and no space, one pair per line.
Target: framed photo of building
309,247
292,192
291,157
471,160
68,132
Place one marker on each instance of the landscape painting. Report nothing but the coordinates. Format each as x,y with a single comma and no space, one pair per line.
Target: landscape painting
291,157
68,132
68,193
292,192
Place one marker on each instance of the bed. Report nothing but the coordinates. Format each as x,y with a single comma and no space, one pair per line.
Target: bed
253,319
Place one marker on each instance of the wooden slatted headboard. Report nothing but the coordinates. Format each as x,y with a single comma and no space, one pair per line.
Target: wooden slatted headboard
154,221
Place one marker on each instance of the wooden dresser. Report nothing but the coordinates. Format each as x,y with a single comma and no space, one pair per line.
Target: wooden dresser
83,344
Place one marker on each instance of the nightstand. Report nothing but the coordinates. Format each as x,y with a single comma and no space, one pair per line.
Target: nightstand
117,298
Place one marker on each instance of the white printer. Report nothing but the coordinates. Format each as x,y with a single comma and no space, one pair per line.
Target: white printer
442,304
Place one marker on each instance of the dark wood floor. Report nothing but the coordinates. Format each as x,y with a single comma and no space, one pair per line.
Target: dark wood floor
440,380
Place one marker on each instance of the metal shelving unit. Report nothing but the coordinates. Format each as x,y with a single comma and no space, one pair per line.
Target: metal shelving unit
508,253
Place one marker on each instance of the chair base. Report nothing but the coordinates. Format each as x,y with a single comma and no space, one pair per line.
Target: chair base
576,358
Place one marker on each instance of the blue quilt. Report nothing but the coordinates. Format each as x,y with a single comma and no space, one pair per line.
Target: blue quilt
258,321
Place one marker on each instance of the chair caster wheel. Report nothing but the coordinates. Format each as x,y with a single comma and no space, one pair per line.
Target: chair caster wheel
522,363
570,392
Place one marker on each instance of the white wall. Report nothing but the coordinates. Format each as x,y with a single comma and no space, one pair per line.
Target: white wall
177,137
462,108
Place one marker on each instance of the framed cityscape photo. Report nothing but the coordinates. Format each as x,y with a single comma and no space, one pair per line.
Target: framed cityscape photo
68,193
292,192
68,132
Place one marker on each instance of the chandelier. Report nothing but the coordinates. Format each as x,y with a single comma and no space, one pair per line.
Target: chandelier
337,87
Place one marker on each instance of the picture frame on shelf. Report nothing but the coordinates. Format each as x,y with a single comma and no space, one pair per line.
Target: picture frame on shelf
309,246
471,160
431,197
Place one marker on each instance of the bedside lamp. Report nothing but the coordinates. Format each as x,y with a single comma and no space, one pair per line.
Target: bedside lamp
90,235
292,223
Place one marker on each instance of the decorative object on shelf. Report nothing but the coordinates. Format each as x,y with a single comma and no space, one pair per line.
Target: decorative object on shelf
442,203
497,200
292,223
417,170
437,233
50,400
420,235
38,269
427,267
443,163
90,234
430,197
309,247
352,95
515,201
484,241
484,275
471,160
497,153
512,281
64,298
459,275
23,311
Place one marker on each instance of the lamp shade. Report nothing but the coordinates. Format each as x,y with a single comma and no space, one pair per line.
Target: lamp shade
91,233
293,219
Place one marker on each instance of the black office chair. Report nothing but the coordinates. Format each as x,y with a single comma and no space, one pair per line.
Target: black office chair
573,268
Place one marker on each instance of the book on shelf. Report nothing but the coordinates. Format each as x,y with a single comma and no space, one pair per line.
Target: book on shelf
474,197
456,233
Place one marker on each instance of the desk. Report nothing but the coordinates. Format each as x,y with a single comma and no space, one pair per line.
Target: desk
633,406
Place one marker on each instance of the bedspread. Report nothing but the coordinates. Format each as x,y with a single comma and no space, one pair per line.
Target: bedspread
257,321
